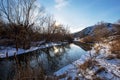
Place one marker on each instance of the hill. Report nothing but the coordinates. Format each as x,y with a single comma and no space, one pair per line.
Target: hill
97,32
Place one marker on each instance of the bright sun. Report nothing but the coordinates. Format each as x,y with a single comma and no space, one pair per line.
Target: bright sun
57,23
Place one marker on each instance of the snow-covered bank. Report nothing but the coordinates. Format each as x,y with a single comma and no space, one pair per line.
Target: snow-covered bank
93,66
10,51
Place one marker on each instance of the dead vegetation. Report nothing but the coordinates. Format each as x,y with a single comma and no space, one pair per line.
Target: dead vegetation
86,65
99,32
115,46
26,26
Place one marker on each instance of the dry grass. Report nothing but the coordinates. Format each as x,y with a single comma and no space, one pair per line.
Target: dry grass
118,56
85,65
115,48
109,57
100,70
115,45
88,64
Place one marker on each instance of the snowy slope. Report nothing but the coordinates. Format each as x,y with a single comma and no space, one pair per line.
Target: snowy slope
102,68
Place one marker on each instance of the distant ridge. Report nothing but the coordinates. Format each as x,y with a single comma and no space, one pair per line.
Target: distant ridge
101,30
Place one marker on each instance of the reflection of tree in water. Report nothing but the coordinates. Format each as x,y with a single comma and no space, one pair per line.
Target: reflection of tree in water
6,70
84,46
45,58
41,59
11,66
54,58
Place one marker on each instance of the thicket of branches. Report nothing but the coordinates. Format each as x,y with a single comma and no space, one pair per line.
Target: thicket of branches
23,22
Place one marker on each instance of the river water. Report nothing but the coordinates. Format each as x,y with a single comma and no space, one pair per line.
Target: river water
50,59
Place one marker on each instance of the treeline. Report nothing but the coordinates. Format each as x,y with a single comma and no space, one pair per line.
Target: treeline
23,22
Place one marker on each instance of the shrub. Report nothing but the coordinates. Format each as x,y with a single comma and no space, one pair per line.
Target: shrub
115,46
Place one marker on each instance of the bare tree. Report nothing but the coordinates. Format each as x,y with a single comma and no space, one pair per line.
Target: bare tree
21,15
53,32
25,12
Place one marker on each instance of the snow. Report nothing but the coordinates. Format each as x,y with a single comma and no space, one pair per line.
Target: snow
72,70
99,53
114,61
10,51
69,70
112,67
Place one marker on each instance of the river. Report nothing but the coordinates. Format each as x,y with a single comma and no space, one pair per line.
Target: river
50,59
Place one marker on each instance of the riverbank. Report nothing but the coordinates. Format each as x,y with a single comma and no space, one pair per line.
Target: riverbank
40,63
98,64
10,51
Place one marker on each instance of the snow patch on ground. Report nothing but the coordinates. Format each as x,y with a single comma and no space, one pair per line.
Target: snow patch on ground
10,51
104,69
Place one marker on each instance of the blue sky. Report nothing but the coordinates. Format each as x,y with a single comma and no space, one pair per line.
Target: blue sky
79,14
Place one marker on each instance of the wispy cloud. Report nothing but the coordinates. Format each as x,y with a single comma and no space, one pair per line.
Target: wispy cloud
60,3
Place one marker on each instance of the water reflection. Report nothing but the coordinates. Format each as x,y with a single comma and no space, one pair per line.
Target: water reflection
85,46
56,57
49,59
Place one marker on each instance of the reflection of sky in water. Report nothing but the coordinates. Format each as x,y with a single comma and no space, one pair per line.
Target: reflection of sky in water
58,57
72,54
52,59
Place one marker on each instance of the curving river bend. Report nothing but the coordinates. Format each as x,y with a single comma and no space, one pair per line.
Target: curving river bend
50,59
